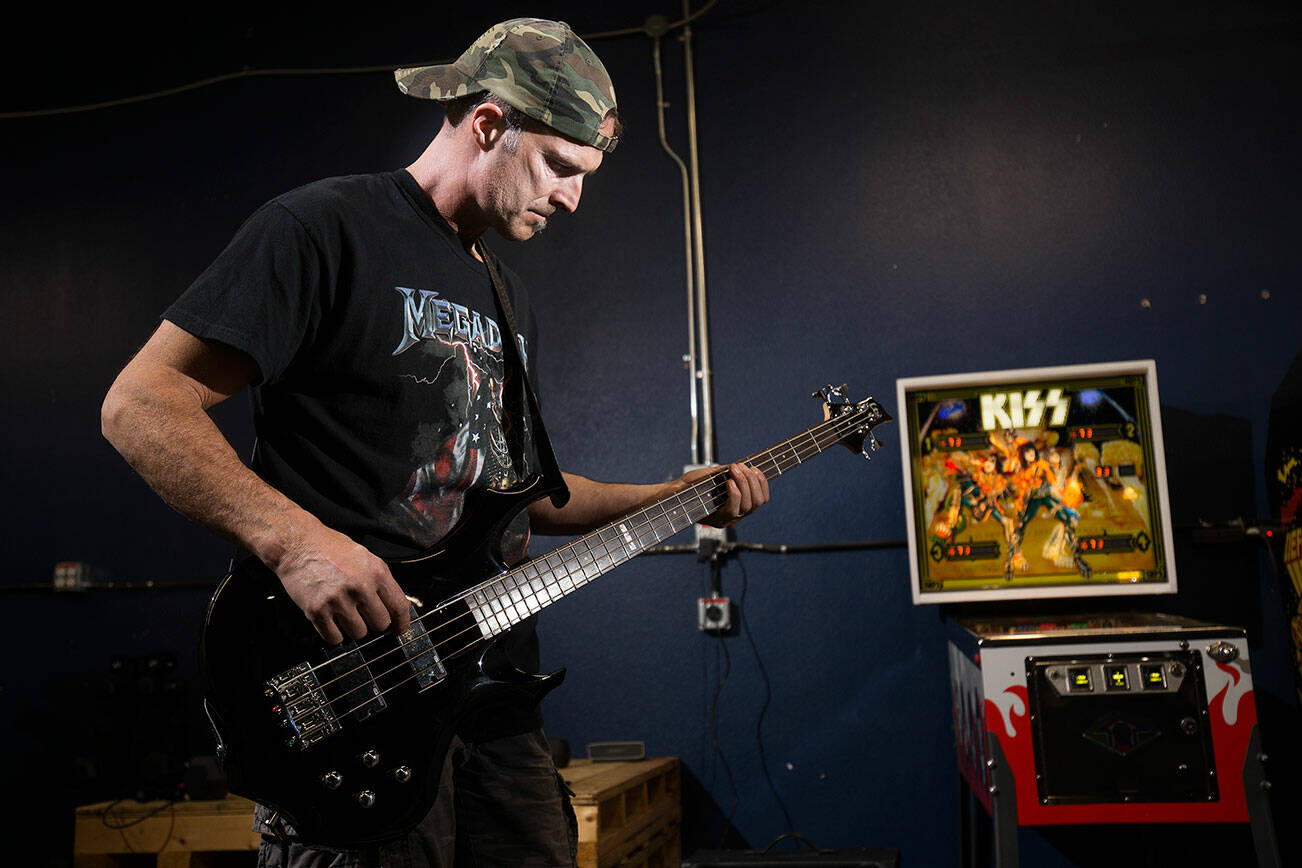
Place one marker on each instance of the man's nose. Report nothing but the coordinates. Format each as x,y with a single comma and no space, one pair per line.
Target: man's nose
568,193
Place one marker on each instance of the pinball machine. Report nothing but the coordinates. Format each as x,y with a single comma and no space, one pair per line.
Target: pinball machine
1048,485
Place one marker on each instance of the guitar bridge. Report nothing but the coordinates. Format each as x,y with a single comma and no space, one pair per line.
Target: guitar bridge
301,704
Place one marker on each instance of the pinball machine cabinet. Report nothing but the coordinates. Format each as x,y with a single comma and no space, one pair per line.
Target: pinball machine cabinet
1119,718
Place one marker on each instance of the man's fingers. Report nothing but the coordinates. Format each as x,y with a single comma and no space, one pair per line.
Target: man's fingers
752,488
350,623
736,484
733,509
374,612
381,603
326,629
347,594
395,601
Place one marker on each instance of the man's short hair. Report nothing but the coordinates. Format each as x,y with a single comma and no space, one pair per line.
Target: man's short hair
458,108
516,121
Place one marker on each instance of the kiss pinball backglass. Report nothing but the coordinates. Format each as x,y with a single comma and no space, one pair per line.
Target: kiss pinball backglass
1040,482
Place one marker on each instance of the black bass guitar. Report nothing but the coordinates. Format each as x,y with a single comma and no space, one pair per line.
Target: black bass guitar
348,741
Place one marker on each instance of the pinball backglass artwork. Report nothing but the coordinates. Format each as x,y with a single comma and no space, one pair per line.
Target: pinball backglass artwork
1036,483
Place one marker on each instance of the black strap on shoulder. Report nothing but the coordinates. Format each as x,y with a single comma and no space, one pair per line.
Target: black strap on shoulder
515,370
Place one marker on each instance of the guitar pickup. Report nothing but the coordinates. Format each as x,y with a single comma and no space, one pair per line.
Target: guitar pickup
421,654
357,695
301,704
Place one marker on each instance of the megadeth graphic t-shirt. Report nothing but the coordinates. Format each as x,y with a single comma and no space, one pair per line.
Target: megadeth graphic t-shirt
380,354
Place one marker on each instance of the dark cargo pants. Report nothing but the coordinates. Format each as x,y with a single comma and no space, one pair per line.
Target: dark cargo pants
501,803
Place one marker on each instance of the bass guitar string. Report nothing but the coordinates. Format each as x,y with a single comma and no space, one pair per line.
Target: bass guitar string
842,422
577,579
573,568
522,587
787,450
444,655
845,421
687,494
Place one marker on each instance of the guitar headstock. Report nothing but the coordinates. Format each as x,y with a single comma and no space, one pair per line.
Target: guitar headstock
860,416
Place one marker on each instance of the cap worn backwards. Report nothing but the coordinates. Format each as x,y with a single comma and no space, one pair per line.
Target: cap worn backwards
537,66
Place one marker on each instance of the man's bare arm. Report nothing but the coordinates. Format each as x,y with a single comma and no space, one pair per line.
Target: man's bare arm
593,503
155,415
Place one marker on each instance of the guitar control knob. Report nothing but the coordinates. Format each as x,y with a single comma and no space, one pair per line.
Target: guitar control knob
366,798
402,774
331,780
370,759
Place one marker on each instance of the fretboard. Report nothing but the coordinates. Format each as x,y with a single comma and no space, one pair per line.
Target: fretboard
526,590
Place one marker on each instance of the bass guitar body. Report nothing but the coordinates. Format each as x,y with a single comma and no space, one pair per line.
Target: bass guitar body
348,741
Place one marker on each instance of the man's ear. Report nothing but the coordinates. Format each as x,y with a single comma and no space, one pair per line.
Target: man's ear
487,125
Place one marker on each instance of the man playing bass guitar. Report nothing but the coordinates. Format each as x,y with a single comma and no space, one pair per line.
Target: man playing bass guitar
361,312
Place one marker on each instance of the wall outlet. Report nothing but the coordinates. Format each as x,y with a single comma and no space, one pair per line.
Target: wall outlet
714,614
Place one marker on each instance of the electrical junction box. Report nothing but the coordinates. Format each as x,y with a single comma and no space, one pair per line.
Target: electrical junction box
714,614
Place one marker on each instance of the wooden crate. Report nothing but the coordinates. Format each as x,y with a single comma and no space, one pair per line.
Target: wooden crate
176,835
629,815
629,812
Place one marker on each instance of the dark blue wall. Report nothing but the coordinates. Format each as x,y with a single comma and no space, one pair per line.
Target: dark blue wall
889,190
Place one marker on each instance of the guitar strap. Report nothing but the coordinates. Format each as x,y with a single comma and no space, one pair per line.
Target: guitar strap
511,394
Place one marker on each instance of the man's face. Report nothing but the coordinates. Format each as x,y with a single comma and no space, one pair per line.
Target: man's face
521,189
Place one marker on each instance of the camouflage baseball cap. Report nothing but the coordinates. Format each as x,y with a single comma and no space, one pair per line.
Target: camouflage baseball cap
539,67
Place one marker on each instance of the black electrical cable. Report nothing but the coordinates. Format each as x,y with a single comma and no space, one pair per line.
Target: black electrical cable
725,669
103,815
714,738
1233,531
768,698
341,70
796,836
92,585
705,683
729,547
810,548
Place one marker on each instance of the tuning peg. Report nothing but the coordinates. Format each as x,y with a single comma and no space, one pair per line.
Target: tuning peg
872,444
830,394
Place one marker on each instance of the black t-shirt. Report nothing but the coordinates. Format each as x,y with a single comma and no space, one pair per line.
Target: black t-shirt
379,347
